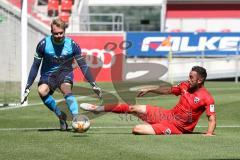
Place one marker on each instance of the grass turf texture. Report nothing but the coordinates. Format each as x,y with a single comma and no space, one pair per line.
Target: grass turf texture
32,132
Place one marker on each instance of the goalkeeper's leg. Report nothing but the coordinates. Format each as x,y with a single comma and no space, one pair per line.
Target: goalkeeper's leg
66,89
49,101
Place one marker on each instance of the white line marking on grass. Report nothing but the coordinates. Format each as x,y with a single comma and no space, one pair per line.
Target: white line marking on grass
59,100
40,103
99,127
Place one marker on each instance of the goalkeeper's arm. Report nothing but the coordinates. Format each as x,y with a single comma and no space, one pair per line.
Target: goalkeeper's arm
85,69
33,72
87,74
31,77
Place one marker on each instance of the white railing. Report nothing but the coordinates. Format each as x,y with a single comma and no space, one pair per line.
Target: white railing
96,22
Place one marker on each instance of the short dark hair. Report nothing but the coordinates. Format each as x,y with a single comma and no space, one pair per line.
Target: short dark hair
201,72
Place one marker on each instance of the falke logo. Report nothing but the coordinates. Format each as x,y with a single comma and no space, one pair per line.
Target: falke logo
179,43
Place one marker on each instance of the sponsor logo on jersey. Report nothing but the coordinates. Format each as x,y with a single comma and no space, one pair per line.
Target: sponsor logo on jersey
196,100
212,108
168,131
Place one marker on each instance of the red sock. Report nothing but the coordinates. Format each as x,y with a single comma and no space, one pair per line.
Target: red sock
117,108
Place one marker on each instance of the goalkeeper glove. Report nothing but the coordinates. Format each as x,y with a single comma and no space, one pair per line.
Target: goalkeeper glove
97,90
25,95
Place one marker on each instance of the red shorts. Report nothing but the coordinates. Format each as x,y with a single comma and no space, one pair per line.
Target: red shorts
160,119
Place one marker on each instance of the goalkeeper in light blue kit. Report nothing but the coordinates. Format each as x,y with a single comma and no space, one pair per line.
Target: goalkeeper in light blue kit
57,52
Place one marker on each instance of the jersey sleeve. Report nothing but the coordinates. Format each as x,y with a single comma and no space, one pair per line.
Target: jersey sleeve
82,63
210,106
36,62
76,49
40,49
177,90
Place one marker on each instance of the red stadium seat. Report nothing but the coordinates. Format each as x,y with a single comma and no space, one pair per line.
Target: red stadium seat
53,8
66,5
64,16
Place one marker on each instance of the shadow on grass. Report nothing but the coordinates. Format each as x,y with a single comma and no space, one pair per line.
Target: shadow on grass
107,133
53,129
80,135
194,133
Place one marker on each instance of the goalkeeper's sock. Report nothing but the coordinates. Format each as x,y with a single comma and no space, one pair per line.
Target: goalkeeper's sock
72,103
117,108
49,101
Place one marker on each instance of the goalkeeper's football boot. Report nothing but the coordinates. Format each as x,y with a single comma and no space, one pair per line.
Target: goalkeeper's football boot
75,117
63,122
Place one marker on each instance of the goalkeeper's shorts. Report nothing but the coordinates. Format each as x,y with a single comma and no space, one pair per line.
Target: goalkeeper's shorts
54,81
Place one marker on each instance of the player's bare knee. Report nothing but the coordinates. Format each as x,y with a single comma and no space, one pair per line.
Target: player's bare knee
43,91
66,88
137,129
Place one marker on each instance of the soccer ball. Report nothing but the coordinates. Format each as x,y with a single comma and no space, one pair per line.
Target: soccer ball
82,124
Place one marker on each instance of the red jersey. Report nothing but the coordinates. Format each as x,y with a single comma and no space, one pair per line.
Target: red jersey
190,107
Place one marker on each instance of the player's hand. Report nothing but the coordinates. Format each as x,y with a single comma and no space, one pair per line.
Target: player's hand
142,93
98,91
184,86
25,95
209,134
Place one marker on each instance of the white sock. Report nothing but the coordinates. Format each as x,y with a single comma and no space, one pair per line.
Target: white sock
100,109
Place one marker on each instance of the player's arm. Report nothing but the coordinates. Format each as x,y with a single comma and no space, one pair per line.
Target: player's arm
34,69
164,90
33,72
210,111
159,90
31,77
85,69
211,125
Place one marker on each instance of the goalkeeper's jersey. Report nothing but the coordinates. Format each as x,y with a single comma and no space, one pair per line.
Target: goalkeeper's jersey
56,56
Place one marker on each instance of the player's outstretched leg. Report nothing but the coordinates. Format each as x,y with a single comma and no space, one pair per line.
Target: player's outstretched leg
115,108
92,107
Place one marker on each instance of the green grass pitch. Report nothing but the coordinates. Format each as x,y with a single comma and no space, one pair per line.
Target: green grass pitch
32,132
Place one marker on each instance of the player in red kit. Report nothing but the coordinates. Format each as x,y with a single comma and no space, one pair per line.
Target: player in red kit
194,100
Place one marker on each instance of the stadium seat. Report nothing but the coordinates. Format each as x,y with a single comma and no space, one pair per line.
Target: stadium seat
66,5
53,8
64,16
